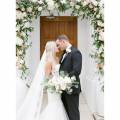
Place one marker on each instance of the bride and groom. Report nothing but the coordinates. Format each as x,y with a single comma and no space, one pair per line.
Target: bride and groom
58,106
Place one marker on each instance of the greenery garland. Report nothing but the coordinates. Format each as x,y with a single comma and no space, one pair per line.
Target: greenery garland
27,10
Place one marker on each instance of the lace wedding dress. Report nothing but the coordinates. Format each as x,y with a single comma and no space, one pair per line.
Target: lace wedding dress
54,109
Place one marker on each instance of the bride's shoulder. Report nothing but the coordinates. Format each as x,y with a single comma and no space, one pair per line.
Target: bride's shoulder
57,59
48,63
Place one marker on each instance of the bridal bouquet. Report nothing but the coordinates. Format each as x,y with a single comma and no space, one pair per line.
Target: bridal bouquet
60,83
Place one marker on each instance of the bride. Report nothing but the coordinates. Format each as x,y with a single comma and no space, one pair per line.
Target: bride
40,104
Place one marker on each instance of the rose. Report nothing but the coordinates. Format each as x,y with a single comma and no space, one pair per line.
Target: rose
40,2
29,9
98,16
19,41
26,24
19,15
63,86
95,9
57,87
34,1
24,14
23,34
23,9
78,0
72,4
67,80
18,65
100,23
68,50
50,4
63,1
20,52
40,9
85,2
73,78
95,3
56,5
77,6
21,61
90,6
17,28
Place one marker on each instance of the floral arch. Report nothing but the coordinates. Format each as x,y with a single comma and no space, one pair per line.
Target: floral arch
27,10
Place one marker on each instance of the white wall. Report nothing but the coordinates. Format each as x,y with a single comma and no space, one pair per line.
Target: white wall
35,49
89,81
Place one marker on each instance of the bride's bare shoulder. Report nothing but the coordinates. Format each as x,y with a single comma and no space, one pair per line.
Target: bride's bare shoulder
48,68
48,64
57,59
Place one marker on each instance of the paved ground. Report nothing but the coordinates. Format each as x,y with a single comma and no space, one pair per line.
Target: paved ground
85,113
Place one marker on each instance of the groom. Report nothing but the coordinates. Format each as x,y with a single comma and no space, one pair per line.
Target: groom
70,62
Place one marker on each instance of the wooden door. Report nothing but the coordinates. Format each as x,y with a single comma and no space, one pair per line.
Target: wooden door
50,29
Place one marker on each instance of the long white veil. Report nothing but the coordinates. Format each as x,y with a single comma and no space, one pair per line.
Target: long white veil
30,109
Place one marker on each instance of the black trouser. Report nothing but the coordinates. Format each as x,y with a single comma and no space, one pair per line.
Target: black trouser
71,103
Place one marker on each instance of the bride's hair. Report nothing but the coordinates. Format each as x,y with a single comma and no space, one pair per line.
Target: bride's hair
50,50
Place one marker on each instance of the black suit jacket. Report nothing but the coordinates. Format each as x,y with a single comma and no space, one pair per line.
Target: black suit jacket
72,64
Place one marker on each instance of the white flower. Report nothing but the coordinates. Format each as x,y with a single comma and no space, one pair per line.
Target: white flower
63,1
78,0
94,2
29,9
23,9
23,34
19,41
77,6
90,6
34,1
98,16
57,87
56,5
100,23
95,9
18,65
85,3
68,50
63,86
19,15
17,28
20,52
73,78
24,14
40,9
72,4
26,25
50,4
40,2
21,61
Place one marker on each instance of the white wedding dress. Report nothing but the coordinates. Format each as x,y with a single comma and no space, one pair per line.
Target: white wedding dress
54,109
34,106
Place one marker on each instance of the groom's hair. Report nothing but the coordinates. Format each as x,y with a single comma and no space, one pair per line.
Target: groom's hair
63,37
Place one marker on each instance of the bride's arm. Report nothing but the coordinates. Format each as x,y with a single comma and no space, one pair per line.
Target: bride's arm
48,69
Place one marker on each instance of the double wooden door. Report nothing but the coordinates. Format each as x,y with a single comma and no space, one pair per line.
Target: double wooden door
51,28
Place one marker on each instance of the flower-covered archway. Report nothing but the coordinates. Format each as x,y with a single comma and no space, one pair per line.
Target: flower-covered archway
27,10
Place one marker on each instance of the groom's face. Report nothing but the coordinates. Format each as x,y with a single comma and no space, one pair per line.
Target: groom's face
61,44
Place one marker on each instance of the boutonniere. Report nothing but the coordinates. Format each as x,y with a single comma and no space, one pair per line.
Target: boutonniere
68,50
